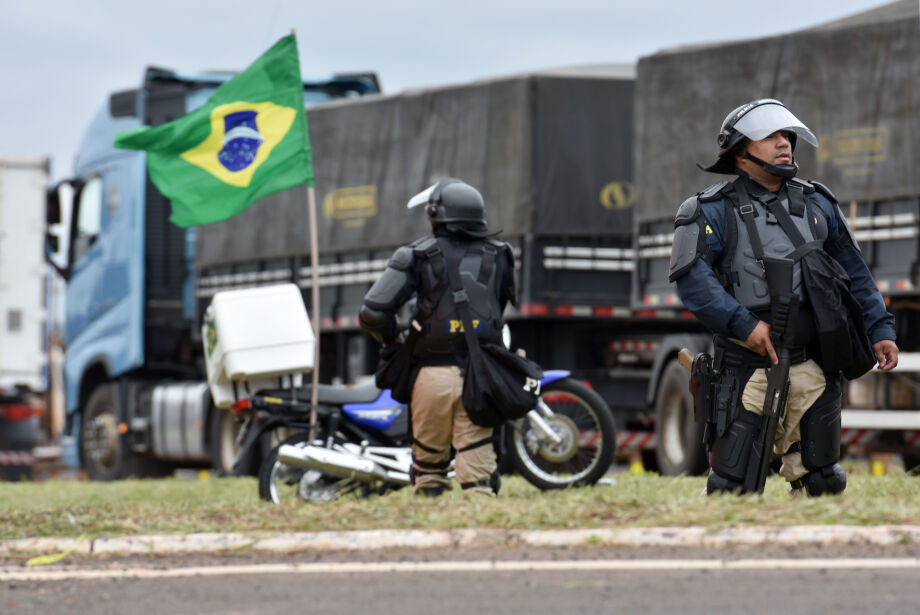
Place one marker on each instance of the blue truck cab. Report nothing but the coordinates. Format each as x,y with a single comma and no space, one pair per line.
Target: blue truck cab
135,390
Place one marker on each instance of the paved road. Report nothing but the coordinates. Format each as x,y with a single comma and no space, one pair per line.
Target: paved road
842,580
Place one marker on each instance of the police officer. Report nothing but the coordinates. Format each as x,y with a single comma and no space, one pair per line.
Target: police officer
456,211
720,280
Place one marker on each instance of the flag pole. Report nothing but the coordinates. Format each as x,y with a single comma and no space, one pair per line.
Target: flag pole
314,286
314,301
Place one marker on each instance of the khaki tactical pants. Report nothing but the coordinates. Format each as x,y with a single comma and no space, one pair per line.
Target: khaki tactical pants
439,420
806,383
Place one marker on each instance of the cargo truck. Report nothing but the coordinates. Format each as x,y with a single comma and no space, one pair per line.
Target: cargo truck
135,392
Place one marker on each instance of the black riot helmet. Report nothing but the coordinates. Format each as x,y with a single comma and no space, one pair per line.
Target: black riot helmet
454,204
757,120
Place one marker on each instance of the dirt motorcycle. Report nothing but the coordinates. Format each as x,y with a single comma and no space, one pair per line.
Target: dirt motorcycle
360,443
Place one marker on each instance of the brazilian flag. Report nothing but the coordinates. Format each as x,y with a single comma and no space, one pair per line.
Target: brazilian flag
249,140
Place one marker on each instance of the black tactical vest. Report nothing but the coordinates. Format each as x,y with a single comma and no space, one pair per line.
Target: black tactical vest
748,281
481,269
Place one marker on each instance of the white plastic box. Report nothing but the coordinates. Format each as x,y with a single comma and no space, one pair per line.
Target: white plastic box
256,338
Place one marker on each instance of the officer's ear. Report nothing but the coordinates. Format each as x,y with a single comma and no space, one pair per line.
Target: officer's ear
740,148
434,199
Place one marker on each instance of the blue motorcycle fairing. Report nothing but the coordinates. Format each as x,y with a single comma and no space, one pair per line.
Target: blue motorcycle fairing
553,375
379,414
383,412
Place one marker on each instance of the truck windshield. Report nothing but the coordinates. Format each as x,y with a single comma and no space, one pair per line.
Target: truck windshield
314,92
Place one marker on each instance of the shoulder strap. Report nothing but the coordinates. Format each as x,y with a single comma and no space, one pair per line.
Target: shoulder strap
727,277
746,209
489,253
432,253
796,194
462,301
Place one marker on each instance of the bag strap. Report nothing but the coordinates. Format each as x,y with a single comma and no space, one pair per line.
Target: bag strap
775,207
462,301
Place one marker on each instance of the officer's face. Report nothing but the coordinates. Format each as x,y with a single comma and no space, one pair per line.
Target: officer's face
774,149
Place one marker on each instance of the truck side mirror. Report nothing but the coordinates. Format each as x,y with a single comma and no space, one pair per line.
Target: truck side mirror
53,206
56,233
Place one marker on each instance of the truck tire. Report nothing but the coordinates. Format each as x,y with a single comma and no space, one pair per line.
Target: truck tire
679,448
101,446
105,452
224,447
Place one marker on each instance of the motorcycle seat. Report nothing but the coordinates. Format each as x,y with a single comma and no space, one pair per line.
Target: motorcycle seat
332,394
350,394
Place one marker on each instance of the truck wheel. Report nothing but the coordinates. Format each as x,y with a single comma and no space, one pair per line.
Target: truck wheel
100,443
679,449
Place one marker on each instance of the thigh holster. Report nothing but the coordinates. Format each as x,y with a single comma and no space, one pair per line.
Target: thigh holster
732,367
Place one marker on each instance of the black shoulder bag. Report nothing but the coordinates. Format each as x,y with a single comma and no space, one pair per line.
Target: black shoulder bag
499,385
838,317
397,368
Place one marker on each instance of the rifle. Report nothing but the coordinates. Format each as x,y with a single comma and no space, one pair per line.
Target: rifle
784,307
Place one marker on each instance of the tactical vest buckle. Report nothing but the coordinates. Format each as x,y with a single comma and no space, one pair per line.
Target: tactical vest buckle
746,209
460,296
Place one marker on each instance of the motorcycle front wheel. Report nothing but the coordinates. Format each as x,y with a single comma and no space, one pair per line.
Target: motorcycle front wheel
584,423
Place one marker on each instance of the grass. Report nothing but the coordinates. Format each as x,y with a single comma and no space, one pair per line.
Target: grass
69,508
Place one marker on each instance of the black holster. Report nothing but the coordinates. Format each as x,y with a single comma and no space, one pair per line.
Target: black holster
717,384
701,387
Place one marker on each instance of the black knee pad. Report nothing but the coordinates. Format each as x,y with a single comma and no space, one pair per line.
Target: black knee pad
716,483
828,480
820,428
496,481
731,452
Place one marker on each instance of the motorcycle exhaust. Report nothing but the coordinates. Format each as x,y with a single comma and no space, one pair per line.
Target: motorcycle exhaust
339,464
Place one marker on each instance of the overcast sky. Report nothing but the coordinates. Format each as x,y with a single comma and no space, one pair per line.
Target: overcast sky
60,58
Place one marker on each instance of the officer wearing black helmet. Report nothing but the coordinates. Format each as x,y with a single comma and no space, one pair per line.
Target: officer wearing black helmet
719,233
456,211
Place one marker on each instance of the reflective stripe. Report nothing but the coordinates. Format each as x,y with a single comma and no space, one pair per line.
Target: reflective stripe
632,440
16,458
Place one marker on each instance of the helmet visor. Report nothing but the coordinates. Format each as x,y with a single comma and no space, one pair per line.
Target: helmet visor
763,120
421,198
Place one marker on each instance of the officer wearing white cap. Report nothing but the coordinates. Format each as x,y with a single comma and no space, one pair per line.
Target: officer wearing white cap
722,235
460,238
